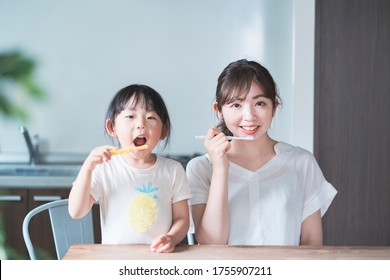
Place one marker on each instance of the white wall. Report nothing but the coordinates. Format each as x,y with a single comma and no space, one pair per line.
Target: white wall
87,50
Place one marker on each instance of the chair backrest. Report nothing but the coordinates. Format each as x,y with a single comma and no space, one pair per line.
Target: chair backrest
66,230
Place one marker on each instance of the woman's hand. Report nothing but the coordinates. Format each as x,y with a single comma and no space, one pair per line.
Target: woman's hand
217,146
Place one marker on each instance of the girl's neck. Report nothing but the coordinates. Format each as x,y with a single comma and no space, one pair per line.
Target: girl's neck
141,163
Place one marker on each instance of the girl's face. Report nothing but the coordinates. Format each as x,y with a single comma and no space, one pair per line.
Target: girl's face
135,126
250,116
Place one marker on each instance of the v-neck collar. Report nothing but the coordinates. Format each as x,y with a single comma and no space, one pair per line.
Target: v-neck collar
279,149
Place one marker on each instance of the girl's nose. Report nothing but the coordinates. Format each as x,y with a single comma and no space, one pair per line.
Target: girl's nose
141,124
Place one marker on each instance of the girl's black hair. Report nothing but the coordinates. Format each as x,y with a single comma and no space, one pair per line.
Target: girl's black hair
235,82
152,101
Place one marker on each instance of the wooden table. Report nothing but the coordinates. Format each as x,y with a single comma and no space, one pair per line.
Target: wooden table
207,252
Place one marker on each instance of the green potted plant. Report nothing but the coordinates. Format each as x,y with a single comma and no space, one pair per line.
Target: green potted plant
17,83
17,86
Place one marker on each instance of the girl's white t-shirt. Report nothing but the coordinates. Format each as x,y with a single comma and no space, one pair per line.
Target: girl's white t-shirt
136,204
268,206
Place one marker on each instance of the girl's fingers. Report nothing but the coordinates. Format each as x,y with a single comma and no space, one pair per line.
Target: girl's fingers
162,244
166,248
157,242
101,154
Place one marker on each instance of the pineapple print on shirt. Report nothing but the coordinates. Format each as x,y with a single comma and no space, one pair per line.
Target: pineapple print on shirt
142,214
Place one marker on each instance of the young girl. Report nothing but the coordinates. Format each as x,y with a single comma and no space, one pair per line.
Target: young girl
260,191
143,197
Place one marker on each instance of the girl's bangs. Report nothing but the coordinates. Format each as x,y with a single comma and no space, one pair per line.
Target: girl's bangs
147,101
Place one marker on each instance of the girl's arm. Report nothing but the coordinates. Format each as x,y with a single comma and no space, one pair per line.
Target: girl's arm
311,230
80,199
166,243
211,220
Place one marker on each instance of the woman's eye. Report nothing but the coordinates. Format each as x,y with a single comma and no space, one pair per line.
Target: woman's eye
235,105
151,118
130,116
260,103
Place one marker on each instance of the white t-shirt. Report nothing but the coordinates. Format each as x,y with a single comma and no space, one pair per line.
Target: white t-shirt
136,204
267,207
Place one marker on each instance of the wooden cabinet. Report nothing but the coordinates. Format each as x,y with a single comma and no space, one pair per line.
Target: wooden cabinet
352,132
13,209
16,203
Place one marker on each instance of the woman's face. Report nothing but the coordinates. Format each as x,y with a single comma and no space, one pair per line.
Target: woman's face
250,116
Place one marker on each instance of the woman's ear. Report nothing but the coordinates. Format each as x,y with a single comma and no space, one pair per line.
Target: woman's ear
277,103
110,128
219,114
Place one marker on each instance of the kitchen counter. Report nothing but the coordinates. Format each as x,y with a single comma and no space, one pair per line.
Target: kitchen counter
33,182
50,162
42,176
52,158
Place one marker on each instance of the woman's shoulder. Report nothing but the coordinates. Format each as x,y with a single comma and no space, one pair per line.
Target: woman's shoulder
294,152
199,161
283,147
299,155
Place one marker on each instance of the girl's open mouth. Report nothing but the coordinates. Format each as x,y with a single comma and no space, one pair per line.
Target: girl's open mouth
139,141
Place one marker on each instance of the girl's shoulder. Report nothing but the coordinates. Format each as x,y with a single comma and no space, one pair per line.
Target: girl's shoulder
106,166
168,162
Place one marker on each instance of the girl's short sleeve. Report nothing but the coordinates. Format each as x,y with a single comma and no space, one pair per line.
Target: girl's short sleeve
181,188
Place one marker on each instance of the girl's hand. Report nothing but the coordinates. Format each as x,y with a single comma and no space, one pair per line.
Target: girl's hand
98,156
217,146
162,244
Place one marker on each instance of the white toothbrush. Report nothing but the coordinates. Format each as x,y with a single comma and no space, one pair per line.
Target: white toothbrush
228,137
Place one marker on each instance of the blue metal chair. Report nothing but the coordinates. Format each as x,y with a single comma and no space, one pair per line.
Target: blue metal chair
66,230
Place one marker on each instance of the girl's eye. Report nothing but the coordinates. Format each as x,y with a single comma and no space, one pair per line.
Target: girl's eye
130,117
152,117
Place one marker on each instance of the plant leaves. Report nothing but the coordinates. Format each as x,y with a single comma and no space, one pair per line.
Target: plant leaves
17,69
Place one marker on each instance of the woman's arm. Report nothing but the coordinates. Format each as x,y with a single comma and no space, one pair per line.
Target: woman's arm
166,243
211,220
311,230
80,199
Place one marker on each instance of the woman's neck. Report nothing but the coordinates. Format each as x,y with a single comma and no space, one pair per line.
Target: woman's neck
252,155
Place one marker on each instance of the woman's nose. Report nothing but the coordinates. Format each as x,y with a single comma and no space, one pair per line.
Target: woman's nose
248,113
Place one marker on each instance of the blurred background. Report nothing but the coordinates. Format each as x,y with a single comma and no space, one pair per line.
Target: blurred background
85,51
330,59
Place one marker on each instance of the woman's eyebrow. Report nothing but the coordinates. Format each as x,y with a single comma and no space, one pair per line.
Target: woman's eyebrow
259,96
